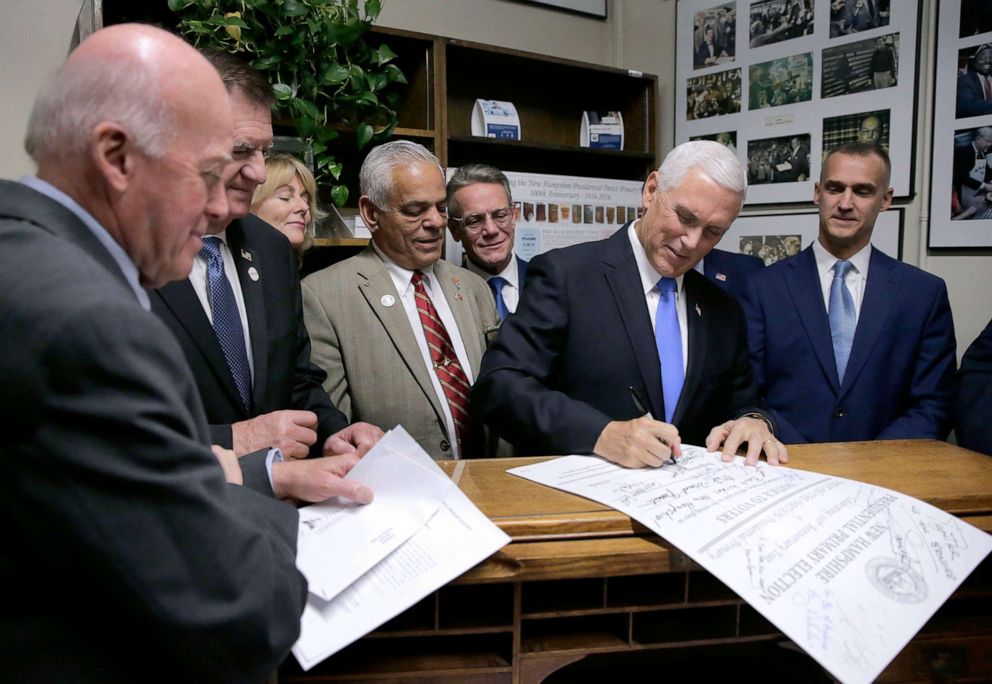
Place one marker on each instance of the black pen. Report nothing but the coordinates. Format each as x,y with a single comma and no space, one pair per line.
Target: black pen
639,405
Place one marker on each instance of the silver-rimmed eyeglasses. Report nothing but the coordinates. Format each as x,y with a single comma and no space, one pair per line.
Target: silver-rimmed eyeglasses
473,223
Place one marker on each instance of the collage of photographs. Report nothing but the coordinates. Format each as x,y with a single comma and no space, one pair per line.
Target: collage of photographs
839,48
589,214
962,188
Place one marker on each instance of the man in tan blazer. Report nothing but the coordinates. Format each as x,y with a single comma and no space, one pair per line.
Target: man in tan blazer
399,331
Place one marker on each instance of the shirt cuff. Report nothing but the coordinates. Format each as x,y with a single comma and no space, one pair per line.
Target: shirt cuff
274,456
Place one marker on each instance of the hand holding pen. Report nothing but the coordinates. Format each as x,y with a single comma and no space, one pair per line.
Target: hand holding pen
641,442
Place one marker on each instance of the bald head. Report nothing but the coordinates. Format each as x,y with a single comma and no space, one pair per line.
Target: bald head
136,127
130,74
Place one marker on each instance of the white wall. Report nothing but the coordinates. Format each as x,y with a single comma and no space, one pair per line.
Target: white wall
638,34
34,40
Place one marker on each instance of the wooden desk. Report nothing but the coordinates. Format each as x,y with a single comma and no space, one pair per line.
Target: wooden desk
581,579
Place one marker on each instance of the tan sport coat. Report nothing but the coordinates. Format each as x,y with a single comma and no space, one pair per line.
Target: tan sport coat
375,371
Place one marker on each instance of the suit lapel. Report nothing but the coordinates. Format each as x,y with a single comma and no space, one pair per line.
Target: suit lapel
623,278
463,313
880,291
375,283
803,285
697,322
248,263
180,298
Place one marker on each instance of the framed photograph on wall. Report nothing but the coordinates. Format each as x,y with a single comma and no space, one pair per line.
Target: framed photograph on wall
773,237
786,80
961,190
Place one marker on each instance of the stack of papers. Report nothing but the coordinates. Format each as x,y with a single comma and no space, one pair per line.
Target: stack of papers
366,564
849,571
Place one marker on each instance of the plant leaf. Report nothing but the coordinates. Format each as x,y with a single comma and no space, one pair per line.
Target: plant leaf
364,134
339,194
334,74
384,54
282,91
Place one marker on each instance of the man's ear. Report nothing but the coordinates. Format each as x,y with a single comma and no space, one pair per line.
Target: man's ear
369,213
456,229
112,151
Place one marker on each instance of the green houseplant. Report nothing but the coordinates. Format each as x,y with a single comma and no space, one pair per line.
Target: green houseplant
325,75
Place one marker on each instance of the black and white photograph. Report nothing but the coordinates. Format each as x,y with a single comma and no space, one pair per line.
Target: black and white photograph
728,138
976,17
961,188
778,160
864,127
714,36
713,94
771,248
772,21
781,81
971,189
861,66
855,16
974,78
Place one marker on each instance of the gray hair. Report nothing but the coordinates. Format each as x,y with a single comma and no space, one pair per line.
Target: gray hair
712,159
83,93
376,177
470,174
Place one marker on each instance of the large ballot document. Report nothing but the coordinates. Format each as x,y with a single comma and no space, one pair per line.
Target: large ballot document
849,571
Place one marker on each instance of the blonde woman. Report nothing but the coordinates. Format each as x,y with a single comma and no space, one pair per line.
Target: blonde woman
288,199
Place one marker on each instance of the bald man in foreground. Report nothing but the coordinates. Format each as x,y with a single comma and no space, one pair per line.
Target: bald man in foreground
113,506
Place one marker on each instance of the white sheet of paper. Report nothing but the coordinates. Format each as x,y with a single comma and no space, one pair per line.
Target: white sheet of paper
849,571
458,537
339,541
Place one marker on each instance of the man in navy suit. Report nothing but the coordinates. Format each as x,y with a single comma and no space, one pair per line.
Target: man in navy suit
620,348
729,269
973,395
286,406
483,220
847,343
974,96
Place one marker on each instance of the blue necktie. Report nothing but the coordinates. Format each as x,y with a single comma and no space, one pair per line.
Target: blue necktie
496,284
227,320
842,317
668,338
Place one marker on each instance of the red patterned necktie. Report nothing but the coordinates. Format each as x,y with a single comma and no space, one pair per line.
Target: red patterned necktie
454,382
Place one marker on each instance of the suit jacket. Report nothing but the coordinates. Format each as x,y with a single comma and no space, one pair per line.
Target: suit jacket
521,270
284,377
898,379
729,270
973,395
113,504
375,371
563,364
971,96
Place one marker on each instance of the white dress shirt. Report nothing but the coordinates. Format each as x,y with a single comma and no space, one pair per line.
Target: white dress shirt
856,279
511,274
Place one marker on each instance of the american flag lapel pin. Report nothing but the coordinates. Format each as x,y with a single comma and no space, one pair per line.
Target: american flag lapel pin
721,277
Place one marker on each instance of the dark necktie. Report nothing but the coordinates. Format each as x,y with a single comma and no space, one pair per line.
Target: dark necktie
668,338
842,317
496,284
449,372
987,85
227,320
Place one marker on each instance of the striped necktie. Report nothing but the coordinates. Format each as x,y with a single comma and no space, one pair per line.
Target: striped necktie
449,372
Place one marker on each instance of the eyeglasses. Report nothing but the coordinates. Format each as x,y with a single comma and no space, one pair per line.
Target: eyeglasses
475,222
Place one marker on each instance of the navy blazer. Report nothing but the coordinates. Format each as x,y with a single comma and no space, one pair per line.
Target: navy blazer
898,379
971,96
284,376
729,270
562,365
973,395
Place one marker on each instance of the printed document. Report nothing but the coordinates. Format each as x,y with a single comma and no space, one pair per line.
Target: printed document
849,571
452,541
